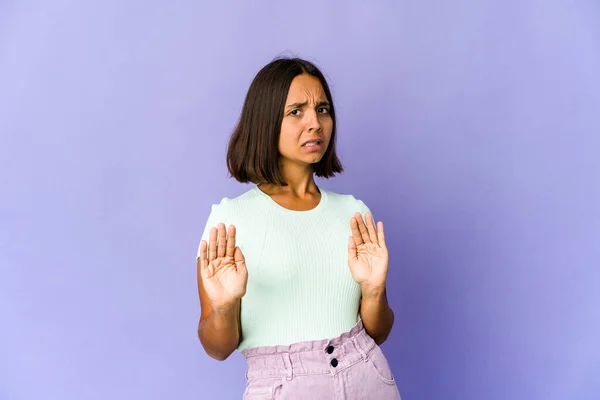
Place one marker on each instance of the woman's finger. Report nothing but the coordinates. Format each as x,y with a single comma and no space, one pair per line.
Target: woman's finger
356,235
212,244
381,235
362,228
203,260
371,228
231,242
238,258
204,268
222,240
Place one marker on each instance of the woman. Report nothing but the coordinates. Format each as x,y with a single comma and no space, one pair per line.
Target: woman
297,281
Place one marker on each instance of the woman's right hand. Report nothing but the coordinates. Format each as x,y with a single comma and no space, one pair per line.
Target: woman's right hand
223,272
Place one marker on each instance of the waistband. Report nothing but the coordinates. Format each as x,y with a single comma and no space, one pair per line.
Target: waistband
310,357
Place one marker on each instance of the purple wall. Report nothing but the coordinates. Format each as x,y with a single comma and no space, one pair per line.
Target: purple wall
472,130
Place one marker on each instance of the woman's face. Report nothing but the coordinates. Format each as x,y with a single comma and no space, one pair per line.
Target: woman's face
306,118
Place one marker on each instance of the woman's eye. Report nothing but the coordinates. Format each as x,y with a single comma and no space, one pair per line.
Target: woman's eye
324,110
294,112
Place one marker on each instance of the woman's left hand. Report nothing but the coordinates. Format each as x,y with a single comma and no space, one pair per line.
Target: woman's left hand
367,253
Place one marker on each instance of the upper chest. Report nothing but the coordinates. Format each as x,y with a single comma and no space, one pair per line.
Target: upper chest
295,204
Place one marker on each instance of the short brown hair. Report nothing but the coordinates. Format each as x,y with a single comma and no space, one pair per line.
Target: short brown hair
253,150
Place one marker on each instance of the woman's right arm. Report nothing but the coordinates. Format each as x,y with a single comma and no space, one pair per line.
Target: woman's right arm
218,329
222,279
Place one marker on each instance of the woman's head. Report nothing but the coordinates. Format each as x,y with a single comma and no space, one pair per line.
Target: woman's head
288,104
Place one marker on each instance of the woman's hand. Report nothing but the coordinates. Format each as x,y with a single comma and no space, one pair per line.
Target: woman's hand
367,253
223,271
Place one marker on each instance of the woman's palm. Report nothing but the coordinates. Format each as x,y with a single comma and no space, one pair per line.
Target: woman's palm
223,270
225,279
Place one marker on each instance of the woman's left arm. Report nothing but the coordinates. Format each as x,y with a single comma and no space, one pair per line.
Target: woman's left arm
368,260
376,314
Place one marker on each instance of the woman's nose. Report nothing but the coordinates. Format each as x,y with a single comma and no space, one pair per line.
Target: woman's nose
314,123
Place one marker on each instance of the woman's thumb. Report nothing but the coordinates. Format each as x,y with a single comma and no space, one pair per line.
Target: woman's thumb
237,254
351,247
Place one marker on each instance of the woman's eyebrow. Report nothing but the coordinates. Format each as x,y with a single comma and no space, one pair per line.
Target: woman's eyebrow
297,105
300,105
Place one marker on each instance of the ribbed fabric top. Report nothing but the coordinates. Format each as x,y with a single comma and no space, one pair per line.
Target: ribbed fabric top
299,284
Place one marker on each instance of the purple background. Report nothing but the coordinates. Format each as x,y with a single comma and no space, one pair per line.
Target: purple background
472,129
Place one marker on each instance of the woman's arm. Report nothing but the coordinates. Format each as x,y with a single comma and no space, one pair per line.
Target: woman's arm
376,314
219,330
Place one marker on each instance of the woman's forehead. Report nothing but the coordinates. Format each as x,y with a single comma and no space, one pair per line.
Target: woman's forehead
306,88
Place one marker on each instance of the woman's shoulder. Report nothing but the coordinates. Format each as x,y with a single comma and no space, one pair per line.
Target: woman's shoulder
232,202
348,201
347,198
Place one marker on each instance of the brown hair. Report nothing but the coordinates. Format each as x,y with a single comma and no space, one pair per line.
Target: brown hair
253,152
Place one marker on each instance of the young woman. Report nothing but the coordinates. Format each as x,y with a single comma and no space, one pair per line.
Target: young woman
297,282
